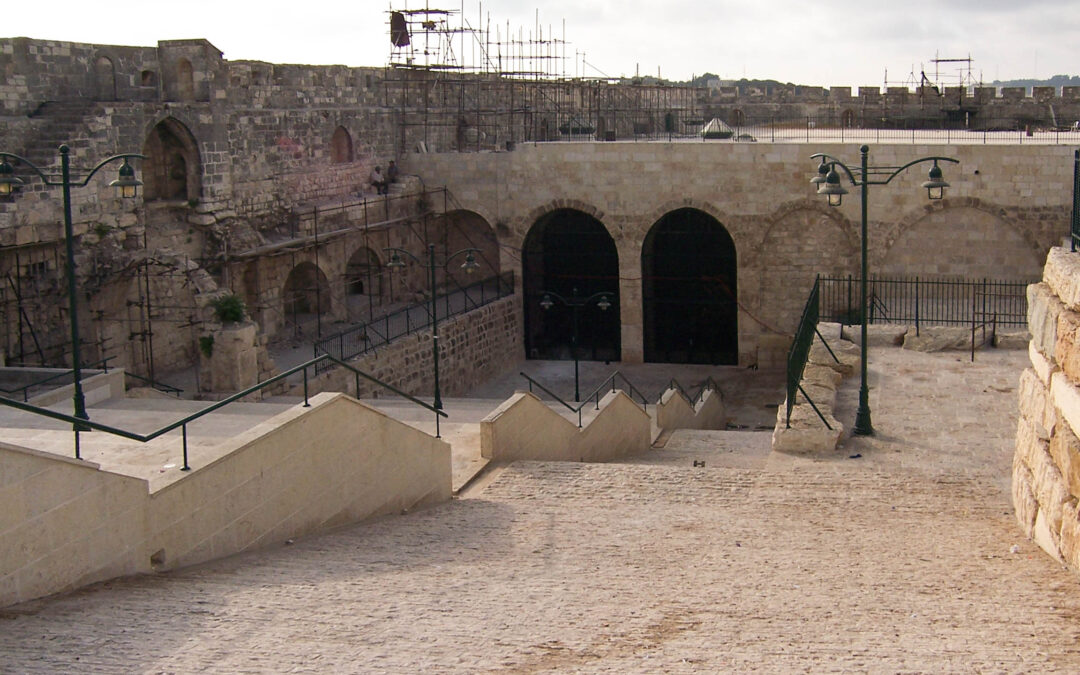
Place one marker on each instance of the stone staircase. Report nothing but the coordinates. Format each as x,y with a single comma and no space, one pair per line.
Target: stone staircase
57,122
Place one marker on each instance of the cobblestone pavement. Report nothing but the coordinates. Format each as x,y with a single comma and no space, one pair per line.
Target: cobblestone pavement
899,559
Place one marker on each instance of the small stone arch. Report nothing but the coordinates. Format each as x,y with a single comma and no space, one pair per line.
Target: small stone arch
961,238
341,146
848,119
185,80
172,169
104,79
306,293
148,78
363,273
461,229
738,118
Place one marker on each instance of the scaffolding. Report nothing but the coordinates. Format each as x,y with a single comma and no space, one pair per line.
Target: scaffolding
456,85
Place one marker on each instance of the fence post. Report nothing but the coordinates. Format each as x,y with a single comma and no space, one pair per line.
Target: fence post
917,307
185,467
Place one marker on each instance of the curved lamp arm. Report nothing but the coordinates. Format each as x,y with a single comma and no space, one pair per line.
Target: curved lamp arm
53,179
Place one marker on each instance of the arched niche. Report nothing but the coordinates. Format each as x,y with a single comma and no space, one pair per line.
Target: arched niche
185,80
104,79
341,146
363,273
690,290
570,252
172,167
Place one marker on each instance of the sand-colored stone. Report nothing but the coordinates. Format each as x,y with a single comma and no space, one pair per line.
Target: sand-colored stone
1065,450
877,335
1043,311
938,339
1025,506
1062,276
1035,405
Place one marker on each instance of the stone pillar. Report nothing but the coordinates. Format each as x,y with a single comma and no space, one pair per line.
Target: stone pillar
233,363
631,312
1046,464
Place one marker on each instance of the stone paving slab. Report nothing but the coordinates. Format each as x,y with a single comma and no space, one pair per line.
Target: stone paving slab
897,553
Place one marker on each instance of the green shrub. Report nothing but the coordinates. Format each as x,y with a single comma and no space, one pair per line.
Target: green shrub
228,308
206,345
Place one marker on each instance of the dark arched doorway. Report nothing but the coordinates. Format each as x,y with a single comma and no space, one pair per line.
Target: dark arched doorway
568,250
306,298
689,290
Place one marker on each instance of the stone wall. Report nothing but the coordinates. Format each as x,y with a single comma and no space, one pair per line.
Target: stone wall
475,347
1046,466
1007,206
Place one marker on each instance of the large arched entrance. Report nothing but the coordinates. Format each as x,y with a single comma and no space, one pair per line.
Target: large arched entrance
568,251
689,290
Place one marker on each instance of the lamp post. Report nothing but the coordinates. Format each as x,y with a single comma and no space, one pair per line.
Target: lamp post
470,265
827,181
602,299
126,186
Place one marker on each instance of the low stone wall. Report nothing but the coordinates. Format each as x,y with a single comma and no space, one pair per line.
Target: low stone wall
675,412
1046,466
524,427
65,523
476,346
821,378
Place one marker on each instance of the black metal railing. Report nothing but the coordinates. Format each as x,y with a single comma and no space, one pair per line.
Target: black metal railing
693,399
370,335
925,302
1075,229
800,348
611,383
79,424
24,391
154,384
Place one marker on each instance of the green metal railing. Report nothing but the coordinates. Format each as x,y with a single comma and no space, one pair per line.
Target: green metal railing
154,384
800,353
79,424
24,390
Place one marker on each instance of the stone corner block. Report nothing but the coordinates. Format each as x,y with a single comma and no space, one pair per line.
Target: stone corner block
1062,275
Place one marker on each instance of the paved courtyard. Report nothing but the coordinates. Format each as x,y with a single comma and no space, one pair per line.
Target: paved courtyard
897,553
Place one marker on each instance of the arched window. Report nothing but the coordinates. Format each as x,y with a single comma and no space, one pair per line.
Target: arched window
104,79
185,81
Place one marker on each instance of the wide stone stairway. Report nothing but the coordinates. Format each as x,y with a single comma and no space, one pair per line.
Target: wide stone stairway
898,552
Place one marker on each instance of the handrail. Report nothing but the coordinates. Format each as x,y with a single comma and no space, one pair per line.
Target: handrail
159,386
79,424
26,388
707,385
594,393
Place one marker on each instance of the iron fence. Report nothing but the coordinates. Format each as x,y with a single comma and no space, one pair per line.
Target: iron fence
926,302
370,335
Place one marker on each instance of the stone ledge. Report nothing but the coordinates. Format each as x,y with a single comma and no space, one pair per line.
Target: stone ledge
1062,275
938,339
878,335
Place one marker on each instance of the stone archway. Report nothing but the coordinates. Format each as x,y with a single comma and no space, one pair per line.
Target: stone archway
463,229
568,250
690,290
172,167
848,119
305,296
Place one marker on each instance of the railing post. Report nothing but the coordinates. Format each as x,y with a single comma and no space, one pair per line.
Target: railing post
916,306
357,376
186,467
306,403
77,449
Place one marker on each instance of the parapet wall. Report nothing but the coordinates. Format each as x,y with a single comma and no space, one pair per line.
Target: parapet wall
1046,466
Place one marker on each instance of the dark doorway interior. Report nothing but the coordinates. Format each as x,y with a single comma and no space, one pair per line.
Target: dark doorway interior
689,288
566,250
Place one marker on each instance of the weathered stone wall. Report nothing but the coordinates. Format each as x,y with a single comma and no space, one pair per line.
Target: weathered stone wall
475,347
1046,466
1007,206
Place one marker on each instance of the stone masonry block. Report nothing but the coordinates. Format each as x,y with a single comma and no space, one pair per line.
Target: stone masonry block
1069,540
1065,451
847,352
1028,443
1067,344
1035,405
807,434
879,335
1043,311
1025,505
1042,366
938,339
1066,398
1049,487
1062,275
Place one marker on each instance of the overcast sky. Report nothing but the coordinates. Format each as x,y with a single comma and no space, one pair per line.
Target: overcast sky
800,41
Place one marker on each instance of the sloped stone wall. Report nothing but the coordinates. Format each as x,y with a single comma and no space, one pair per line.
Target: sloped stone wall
1046,466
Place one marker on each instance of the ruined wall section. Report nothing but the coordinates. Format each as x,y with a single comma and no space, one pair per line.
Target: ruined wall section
1046,465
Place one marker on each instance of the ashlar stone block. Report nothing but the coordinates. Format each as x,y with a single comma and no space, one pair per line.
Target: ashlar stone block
1043,311
1062,275
1025,506
1035,405
1065,451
